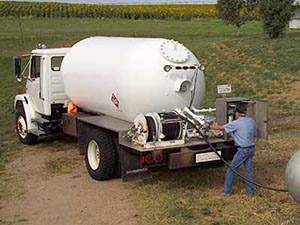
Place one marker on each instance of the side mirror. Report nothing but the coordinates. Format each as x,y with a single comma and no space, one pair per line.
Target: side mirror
18,68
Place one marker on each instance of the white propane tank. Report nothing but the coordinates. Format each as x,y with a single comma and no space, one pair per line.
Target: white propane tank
123,77
292,176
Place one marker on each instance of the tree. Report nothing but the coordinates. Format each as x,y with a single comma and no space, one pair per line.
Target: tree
235,12
275,16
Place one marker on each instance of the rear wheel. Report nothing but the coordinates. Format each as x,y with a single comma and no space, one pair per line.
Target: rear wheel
21,127
100,155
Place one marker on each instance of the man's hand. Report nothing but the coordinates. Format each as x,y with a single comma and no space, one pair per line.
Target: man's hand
216,128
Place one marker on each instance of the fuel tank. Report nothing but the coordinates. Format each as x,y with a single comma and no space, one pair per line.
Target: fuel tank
123,77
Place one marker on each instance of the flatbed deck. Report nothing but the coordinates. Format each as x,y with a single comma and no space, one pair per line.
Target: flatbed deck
122,127
191,142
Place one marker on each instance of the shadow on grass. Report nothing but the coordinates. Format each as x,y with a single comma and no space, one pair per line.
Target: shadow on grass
202,177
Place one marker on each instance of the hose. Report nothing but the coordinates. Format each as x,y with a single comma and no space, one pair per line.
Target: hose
194,80
228,165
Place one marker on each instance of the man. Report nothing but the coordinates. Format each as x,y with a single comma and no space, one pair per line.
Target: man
244,132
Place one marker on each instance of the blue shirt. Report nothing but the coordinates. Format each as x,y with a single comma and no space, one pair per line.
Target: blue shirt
244,131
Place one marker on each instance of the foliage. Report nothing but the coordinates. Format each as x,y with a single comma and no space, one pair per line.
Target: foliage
236,12
275,16
54,10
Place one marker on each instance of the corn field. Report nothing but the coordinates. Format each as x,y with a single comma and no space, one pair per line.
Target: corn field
53,10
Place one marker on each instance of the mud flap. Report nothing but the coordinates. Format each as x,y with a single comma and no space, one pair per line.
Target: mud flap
131,166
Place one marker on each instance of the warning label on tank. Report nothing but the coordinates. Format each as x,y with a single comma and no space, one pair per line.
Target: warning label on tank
115,100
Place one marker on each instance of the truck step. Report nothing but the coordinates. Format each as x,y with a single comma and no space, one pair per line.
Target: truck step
43,120
37,132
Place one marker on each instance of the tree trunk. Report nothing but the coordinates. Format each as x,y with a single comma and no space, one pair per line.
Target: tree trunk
238,33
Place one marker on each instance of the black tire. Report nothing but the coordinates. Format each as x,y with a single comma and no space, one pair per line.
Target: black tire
103,169
21,127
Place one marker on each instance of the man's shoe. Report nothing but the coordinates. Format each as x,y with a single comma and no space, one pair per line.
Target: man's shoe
225,194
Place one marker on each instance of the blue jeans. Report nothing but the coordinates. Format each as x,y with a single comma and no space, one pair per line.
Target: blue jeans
243,155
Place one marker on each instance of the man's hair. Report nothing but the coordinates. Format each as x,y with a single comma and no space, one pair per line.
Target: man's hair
241,109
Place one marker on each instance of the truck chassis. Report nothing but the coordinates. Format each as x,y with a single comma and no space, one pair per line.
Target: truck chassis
130,160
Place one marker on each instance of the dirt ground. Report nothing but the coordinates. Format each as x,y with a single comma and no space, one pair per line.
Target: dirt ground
50,185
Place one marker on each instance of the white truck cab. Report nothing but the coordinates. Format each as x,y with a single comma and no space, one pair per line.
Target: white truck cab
45,99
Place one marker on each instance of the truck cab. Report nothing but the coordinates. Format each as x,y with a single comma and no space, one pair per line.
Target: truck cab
39,109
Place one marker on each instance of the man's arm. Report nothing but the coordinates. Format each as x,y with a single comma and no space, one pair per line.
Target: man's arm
217,127
229,127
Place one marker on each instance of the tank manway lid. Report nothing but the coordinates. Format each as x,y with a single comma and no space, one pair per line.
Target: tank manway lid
174,51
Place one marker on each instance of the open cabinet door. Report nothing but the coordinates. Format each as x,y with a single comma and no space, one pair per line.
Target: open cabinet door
258,110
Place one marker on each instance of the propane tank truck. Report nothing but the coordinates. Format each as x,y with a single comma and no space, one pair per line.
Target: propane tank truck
130,102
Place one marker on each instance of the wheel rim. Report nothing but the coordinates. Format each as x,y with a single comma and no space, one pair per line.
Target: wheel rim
21,127
93,154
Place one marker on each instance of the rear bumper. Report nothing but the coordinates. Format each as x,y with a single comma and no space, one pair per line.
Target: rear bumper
134,166
190,158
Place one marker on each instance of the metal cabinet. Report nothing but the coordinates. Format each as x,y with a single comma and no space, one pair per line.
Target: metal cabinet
257,109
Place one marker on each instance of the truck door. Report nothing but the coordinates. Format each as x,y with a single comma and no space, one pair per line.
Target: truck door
34,83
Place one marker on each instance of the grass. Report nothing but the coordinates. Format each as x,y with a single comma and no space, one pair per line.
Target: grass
57,166
255,66
8,87
61,161
10,186
192,196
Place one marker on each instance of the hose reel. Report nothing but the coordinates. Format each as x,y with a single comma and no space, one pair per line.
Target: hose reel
157,127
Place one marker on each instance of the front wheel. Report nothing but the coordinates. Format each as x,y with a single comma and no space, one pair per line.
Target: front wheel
100,155
21,127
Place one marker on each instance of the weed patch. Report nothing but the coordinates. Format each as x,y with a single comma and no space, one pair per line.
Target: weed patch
57,166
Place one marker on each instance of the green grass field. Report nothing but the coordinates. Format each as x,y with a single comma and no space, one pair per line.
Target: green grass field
254,65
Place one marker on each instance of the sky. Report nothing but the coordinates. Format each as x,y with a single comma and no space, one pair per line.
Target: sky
127,2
